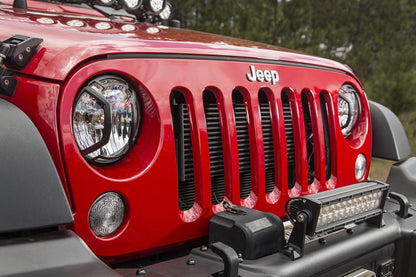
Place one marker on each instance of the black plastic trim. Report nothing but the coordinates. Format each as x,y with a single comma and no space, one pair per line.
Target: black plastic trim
8,82
229,257
389,138
31,193
57,253
402,177
219,58
403,202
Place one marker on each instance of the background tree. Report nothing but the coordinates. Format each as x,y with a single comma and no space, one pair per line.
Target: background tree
375,37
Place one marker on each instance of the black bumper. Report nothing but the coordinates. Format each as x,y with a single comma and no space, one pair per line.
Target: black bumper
55,253
386,251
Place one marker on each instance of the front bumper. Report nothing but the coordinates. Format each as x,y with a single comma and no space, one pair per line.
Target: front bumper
360,249
338,254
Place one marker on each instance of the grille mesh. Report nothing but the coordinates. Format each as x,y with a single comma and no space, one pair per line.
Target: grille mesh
266,124
216,158
309,137
290,141
244,159
324,114
184,155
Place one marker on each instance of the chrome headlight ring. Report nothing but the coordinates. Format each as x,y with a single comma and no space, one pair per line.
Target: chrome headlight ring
105,119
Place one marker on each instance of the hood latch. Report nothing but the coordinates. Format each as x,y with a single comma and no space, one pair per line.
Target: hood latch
15,53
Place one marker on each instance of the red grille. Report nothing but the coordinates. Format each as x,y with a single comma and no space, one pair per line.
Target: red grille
301,136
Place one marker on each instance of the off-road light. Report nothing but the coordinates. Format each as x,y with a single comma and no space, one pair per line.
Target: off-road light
106,214
155,6
332,210
348,108
360,167
105,119
132,4
167,12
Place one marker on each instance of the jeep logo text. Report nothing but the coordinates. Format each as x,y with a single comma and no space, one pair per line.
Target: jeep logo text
262,76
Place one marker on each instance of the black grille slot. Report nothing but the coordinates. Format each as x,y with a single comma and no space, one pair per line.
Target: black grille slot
266,124
290,142
184,156
324,113
309,138
240,116
216,158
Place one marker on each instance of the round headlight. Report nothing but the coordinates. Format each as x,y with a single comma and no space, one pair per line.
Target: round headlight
155,6
166,14
106,214
132,4
105,119
348,108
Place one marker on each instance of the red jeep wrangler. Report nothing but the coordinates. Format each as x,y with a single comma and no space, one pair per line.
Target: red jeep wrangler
177,153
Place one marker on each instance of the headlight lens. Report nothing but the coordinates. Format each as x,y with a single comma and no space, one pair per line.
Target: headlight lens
105,119
348,108
106,214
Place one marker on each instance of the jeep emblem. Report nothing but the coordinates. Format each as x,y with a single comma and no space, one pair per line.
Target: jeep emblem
262,76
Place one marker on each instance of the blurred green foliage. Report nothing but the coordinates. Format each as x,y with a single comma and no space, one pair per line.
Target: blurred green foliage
374,37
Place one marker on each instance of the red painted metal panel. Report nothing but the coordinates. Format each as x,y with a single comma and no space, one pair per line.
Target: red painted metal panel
147,176
72,36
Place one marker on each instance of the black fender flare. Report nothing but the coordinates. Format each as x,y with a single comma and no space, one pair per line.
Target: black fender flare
389,138
31,193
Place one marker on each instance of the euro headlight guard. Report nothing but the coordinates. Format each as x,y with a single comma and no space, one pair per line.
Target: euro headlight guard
348,108
105,119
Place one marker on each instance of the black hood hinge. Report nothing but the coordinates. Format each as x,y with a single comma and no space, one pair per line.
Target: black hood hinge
15,53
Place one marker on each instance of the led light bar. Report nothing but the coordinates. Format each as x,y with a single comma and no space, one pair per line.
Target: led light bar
332,210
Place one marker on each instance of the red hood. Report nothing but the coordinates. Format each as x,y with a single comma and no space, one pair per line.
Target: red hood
70,39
